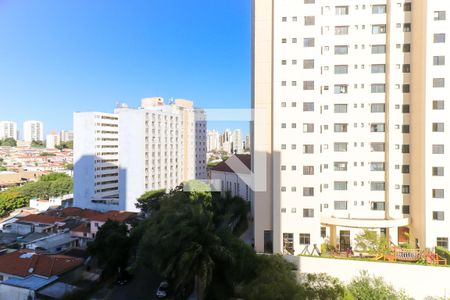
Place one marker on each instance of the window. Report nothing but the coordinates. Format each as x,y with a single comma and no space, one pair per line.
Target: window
341,30
308,64
377,205
341,69
340,50
379,9
341,10
438,193
310,20
308,85
438,215
405,169
438,171
308,170
308,191
407,27
407,6
407,48
305,238
439,60
309,1
340,185
377,166
405,128
378,68
377,107
405,189
377,88
340,205
439,15
405,148
377,29
308,213
308,42
308,127
438,149
438,127
340,147
377,186
406,68
340,166
405,108
377,147
308,106
438,82
405,209
340,108
442,242
439,38
323,232
308,149
377,127
405,88
340,88
378,49
340,127
438,104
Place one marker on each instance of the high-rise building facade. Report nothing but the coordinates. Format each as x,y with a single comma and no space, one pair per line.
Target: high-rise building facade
33,131
66,136
350,100
119,156
52,140
237,147
8,129
213,141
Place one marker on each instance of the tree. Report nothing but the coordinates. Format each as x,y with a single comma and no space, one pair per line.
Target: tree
8,142
321,287
150,201
12,199
372,242
111,246
374,288
37,144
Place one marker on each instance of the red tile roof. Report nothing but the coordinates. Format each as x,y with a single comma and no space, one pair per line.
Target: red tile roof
114,215
83,228
40,218
223,166
26,262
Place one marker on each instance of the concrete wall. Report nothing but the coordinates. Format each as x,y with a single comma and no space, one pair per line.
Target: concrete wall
418,281
15,293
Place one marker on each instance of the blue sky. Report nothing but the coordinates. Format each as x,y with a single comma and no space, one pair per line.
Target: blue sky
57,57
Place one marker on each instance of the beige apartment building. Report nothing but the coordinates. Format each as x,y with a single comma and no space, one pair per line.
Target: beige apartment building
351,101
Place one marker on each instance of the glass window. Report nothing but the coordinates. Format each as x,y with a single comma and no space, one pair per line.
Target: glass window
377,205
438,193
407,6
405,108
340,50
340,185
406,68
308,42
377,186
405,189
340,166
439,60
341,30
378,49
405,88
308,106
377,127
340,108
308,170
438,171
308,191
308,213
438,215
439,38
405,148
378,88
378,68
340,88
405,128
308,85
341,10
308,127
439,15
438,127
340,147
305,238
308,64
377,147
438,104
442,242
379,9
405,169
340,205
438,149
341,69
438,82
377,166
379,28
310,20
406,27
407,48
405,209
377,107
340,127
308,148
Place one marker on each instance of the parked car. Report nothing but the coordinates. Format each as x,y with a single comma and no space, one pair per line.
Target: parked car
162,290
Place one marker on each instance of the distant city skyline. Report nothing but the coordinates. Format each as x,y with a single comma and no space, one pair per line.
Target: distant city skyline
65,57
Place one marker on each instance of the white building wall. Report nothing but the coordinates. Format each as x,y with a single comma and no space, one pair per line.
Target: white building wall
33,131
8,129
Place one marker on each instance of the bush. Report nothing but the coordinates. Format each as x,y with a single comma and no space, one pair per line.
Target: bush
441,251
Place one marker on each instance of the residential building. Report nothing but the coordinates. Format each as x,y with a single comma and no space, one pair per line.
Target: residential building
33,131
226,180
350,114
8,129
52,140
237,146
121,155
66,136
213,141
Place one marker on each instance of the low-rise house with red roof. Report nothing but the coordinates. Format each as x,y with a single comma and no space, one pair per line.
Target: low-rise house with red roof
24,273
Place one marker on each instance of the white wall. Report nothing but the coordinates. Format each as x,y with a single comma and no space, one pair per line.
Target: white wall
418,281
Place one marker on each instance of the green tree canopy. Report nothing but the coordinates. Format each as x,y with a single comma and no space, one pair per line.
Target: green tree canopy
8,142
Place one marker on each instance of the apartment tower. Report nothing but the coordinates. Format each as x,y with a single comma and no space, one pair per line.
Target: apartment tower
33,131
350,114
120,156
8,129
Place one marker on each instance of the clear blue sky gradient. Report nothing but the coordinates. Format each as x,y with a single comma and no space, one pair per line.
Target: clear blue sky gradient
57,57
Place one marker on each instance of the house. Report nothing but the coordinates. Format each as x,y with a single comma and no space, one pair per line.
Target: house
226,180
24,273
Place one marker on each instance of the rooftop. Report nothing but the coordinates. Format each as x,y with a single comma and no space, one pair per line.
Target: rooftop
223,166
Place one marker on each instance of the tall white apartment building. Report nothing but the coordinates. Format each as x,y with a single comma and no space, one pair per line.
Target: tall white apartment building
66,136
8,129
33,131
52,140
119,156
213,140
350,109
236,142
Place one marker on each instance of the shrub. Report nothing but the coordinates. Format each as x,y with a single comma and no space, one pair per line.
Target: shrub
441,251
